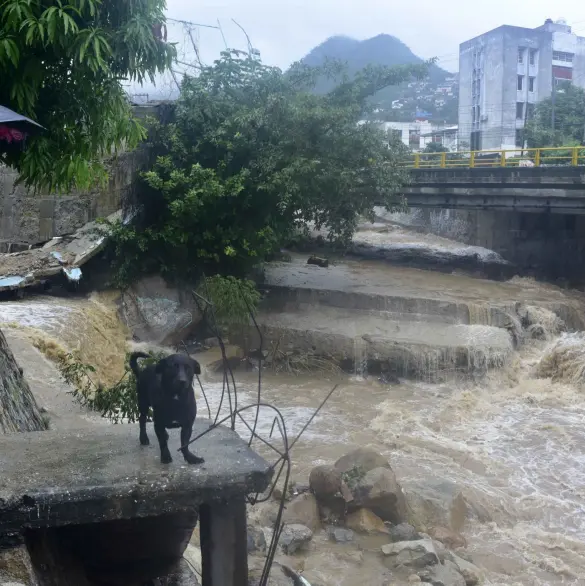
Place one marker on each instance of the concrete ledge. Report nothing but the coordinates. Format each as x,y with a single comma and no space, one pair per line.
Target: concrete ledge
52,478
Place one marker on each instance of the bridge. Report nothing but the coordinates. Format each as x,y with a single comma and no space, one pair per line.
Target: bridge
529,180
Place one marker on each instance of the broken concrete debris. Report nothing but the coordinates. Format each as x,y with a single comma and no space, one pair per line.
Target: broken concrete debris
60,255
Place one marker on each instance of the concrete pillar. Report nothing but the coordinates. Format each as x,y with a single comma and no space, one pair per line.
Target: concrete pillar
224,544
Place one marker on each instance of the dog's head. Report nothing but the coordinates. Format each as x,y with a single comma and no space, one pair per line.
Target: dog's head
177,372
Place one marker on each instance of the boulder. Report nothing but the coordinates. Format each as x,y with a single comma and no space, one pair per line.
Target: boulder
364,521
294,537
303,510
448,537
443,503
410,554
16,566
325,481
256,540
361,460
446,574
403,532
379,491
158,313
470,572
340,535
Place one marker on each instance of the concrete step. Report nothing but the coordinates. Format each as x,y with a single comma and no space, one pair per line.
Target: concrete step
425,350
455,299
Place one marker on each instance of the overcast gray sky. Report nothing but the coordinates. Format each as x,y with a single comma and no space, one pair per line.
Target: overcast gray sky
285,30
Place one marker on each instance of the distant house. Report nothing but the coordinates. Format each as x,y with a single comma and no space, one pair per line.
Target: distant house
448,137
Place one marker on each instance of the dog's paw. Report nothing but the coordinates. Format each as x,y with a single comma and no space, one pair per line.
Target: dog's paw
166,458
144,441
193,459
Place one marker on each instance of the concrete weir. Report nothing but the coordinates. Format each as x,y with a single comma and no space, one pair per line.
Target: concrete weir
412,323
91,507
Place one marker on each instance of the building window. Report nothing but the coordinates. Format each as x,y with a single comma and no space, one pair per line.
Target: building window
520,82
521,54
478,87
414,138
532,57
562,56
529,111
519,110
473,114
519,137
478,114
531,81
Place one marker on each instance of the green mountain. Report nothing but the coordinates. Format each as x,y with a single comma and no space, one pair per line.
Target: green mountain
388,50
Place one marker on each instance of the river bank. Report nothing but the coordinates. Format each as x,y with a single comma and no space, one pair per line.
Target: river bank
509,440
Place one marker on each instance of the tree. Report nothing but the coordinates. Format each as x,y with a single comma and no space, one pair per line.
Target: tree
435,147
253,155
569,127
62,63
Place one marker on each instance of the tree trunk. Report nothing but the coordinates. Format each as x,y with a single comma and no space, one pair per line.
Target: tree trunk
18,409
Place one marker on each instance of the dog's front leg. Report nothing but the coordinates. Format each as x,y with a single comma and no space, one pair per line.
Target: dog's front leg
190,458
162,436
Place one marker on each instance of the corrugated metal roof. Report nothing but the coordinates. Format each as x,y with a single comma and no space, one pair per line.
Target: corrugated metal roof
7,115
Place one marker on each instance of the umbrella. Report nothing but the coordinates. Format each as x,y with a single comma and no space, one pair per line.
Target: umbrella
14,127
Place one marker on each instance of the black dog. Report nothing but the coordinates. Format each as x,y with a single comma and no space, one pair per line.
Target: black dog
167,387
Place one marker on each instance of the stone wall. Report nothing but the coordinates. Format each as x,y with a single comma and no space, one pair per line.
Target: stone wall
26,217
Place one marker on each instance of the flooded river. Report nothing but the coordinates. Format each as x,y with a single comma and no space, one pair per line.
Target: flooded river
513,444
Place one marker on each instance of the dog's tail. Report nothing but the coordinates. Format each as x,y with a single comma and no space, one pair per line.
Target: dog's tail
134,361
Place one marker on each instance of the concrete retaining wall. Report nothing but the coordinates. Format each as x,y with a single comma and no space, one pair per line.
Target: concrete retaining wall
29,218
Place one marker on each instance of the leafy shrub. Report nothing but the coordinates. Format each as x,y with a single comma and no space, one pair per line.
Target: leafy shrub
117,403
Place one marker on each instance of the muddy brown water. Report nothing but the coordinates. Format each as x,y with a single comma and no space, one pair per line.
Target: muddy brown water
514,443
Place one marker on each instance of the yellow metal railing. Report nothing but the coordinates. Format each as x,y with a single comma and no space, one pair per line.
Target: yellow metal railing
553,156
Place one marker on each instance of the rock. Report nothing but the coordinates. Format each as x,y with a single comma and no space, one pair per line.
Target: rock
379,491
325,481
413,579
256,540
403,532
320,262
193,556
441,550
340,535
277,577
442,503
411,554
16,567
446,574
303,510
448,537
294,537
364,521
470,572
361,459
158,313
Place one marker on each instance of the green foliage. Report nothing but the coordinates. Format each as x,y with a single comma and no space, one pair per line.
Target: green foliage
233,299
117,403
62,63
252,156
569,129
435,147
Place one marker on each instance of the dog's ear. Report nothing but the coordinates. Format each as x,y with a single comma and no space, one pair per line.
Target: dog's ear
196,366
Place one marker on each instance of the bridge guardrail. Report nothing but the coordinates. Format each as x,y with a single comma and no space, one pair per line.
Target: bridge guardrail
550,156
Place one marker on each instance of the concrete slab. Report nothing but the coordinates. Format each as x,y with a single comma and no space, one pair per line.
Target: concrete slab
72,477
61,255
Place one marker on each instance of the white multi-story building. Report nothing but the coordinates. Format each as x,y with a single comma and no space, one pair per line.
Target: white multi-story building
505,72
